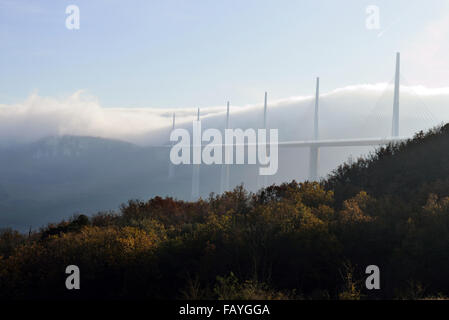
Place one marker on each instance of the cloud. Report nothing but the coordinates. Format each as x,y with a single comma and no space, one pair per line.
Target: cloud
354,111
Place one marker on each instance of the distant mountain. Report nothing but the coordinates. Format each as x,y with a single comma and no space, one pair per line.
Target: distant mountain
57,176
75,147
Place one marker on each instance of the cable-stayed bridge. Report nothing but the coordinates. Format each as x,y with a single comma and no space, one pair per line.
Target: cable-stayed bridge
314,144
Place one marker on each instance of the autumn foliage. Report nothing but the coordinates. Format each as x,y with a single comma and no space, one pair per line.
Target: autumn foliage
292,241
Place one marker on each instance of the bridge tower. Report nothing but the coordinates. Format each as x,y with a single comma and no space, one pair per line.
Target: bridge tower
225,167
171,167
196,167
314,150
265,107
395,123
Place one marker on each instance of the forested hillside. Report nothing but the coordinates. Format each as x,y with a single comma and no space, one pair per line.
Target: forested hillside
291,241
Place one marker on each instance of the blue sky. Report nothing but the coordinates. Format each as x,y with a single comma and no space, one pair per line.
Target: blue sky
182,53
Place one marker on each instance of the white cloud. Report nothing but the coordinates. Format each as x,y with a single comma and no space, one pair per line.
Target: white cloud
359,110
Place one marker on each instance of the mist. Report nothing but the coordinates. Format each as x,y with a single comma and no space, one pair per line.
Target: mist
351,112
60,156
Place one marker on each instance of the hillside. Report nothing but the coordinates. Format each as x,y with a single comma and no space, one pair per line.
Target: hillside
409,171
290,241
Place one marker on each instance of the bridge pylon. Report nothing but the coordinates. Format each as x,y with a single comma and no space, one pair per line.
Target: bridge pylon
171,167
265,107
196,167
225,167
314,150
395,123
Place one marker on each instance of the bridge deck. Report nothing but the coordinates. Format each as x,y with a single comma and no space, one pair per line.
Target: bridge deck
342,142
320,143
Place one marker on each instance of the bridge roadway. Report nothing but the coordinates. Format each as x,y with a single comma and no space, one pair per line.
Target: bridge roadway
343,142
312,143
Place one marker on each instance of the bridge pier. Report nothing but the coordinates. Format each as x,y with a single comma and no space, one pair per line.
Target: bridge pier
171,167
196,169
265,178
225,167
313,165
314,150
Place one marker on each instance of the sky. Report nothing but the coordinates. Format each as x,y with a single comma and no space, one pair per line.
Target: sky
197,53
